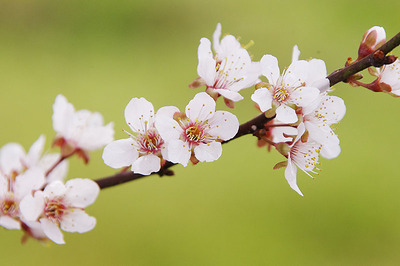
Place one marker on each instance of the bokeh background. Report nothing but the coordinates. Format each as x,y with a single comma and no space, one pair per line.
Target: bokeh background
237,210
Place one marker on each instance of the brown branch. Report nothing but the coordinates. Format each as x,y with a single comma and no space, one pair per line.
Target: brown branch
378,58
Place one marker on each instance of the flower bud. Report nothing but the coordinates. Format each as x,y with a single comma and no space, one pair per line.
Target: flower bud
373,38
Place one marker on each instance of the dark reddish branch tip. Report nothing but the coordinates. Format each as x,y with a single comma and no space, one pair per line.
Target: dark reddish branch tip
378,58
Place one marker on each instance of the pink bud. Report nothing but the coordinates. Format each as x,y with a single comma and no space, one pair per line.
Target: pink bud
373,38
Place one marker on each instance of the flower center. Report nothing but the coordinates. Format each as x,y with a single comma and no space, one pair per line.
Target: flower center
150,142
9,207
195,134
54,210
281,94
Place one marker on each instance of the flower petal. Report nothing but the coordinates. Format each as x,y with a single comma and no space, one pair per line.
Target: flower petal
179,152
32,179
120,153
139,114
32,206
11,156
290,175
263,98
270,68
286,114
200,108
147,164
231,95
9,223
224,125
208,152
77,221
55,189
168,128
206,66
81,192
52,231
35,152
63,113
216,37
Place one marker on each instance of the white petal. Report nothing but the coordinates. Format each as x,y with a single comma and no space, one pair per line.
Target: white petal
9,223
224,125
63,113
81,192
296,74
11,156
139,114
330,151
35,152
167,111
278,133
201,107
179,152
147,164
216,37
3,185
290,175
168,128
295,53
304,96
206,66
55,189
58,173
120,153
95,137
32,179
52,231
77,221
231,95
263,98
208,152
32,206
286,114
270,68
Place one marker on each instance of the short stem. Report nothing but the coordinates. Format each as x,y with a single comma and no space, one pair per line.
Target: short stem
62,158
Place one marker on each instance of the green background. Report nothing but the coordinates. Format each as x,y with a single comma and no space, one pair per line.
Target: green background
237,210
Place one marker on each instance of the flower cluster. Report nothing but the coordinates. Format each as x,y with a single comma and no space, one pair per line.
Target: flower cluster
33,197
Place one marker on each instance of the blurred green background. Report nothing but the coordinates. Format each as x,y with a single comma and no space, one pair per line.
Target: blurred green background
237,210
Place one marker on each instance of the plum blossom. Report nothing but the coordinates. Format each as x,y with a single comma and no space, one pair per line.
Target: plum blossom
145,150
298,86
13,188
229,71
79,131
61,206
388,79
196,134
372,39
303,155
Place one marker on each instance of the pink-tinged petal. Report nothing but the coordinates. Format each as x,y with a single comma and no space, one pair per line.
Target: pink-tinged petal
295,53
32,179
296,74
9,223
263,98
77,221
120,153
52,231
147,164
55,189
330,151
224,125
167,111
11,156
290,175
200,108
206,66
304,96
168,128
81,192
231,95
139,114
286,114
270,68
35,152
179,152
216,37
32,206
63,113
208,152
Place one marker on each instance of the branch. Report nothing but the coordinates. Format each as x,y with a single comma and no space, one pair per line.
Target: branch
377,58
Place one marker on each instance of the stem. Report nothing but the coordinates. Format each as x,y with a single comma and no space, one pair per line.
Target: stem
376,58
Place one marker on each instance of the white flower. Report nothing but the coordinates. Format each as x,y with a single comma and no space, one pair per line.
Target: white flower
298,86
79,131
229,71
198,132
303,155
373,38
318,121
12,190
389,78
62,206
144,149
